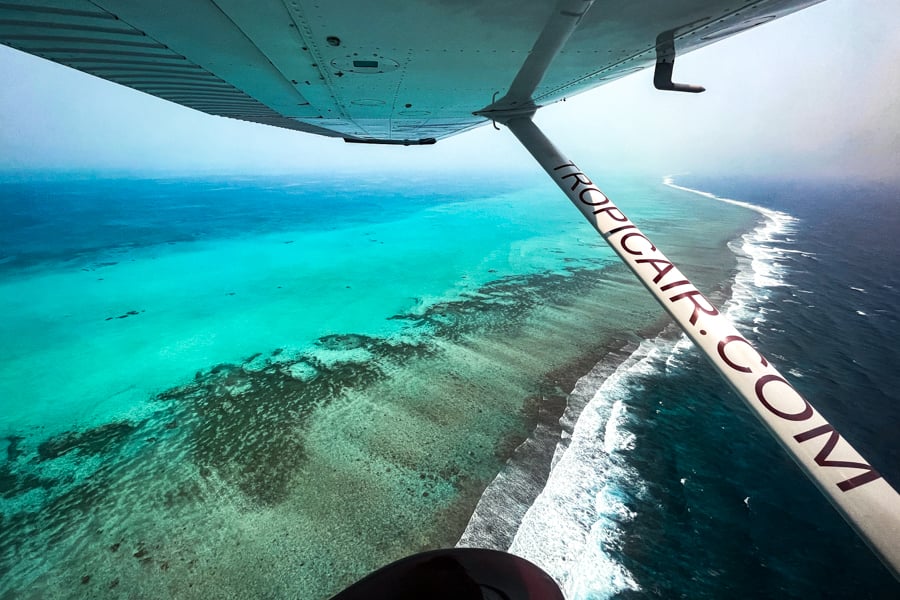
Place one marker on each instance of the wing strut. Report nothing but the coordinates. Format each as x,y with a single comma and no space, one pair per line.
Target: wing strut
556,32
857,491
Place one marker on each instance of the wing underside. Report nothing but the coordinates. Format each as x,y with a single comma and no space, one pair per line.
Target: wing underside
392,71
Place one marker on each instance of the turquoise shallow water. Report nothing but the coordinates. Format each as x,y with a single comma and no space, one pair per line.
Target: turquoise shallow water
228,388
222,299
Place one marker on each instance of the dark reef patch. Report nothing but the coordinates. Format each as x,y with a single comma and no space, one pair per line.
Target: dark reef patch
13,452
14,483
345,341
248,424
503,304
130,313
92,441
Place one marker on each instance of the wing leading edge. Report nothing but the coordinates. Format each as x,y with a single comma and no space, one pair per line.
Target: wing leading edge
394,71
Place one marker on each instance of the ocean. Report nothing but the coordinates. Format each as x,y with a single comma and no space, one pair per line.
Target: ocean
230,387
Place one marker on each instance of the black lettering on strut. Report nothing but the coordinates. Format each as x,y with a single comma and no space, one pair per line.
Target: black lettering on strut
618,229
580,179
674,284
822,457
736,338
609,210
804,414
693,295
586,191
624,243
655,262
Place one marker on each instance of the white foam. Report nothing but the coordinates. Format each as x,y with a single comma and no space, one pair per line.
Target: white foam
761,258
573,525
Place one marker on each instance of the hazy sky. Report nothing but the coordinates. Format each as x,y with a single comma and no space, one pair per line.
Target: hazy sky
815,93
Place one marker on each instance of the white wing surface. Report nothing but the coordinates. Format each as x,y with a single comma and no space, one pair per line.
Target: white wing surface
392,71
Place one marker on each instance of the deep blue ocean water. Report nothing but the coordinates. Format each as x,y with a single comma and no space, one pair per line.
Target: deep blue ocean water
117,291
829,320
44,217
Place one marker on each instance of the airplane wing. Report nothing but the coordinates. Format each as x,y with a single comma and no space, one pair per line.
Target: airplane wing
392,71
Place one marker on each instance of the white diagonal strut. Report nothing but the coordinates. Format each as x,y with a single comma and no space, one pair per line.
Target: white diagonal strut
557,31
857,491
560,26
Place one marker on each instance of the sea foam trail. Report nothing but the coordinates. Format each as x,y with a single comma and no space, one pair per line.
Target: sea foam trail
574,522
765,270
503,504
573,529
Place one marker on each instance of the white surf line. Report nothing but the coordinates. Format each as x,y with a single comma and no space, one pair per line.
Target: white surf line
669,181
576,517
